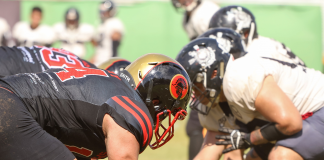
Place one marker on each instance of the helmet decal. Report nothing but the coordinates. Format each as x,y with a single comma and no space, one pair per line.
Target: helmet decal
223,43
242,19
178,86
204,56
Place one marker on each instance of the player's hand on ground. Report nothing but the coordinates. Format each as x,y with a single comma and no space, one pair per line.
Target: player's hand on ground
238,140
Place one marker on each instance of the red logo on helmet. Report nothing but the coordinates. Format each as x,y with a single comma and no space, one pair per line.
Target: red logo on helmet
178,85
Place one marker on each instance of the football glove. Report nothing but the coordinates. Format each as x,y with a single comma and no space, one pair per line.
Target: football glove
238,140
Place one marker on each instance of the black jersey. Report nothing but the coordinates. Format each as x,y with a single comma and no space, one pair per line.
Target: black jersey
14,60
70,104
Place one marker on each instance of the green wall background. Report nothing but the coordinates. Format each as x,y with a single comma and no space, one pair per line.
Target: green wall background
155,27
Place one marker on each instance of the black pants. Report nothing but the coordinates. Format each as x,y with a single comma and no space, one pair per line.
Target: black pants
21,137
194,131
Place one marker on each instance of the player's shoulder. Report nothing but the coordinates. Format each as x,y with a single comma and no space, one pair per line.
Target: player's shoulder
209,4
244,77
21,25
45,28
86,28
59,27
207,7
4,24
136,117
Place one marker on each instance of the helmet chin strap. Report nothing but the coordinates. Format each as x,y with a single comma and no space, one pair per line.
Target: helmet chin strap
168,133
148,100
250,37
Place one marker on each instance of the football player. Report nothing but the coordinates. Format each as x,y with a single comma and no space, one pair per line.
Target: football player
110,33
34,33
92,112
197,15
287,94
16,60
243,21
72,34
115,64
5,35
204,60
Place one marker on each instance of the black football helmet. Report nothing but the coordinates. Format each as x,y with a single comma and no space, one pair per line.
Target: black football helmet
165,87
72,17
205,63
115,64
188,5
228,40
107,9
237,18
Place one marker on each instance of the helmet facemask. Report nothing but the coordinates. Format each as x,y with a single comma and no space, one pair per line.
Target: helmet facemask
206,88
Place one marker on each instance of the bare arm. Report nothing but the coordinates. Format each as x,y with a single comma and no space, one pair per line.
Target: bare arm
275,106
211,151
120,143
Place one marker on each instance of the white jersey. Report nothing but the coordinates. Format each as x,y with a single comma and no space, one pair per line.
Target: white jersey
4,30
74,40
26,36
244,77
198,21
104,51
271,48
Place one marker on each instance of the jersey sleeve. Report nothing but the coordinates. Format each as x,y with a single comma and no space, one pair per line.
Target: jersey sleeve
243,80
132,116
202,20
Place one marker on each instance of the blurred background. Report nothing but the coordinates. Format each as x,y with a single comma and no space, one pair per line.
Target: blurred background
154,26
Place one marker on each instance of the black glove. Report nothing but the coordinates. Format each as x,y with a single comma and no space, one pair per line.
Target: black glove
238,140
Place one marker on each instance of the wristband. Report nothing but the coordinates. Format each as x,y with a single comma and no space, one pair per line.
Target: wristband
271,133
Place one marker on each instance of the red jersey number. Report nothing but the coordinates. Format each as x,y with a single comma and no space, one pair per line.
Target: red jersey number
59,58
82,151
70,73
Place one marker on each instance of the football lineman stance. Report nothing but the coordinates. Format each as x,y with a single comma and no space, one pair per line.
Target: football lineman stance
110,33
5,35
92,112
197,15
204,59
287,94
242,21
115,64
34,33
16,60
72,34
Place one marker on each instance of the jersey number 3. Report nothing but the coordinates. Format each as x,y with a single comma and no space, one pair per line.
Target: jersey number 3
70,73
58,58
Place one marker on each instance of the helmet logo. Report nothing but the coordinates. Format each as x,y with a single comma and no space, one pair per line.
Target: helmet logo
223,43
178,85
204,56
242,19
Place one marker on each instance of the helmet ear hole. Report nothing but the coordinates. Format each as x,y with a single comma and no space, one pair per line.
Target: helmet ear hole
140,75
